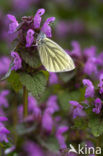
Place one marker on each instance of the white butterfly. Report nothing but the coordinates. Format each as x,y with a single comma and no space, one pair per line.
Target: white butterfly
52,56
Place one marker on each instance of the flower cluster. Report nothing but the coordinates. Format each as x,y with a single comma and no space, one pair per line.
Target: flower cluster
4,64
26,32
50,120
31,26
77,109
3,103
90,93
3,130
47,119
17,63
88,60
33,109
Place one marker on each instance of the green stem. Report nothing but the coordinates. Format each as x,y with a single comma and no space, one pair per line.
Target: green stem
25,102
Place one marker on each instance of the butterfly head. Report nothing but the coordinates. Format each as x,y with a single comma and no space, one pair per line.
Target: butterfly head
40,38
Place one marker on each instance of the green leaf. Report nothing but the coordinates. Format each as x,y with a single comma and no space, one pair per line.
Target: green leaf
64,97
35,83
67,76
63,100
30,56
80,124
14,81
96,126
50,143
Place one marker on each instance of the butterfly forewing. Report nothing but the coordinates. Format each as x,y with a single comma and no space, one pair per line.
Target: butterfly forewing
53,57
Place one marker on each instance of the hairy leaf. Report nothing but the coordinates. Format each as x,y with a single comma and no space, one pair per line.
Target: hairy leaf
80,124
50,143
96,126
35,83
65,97
15,81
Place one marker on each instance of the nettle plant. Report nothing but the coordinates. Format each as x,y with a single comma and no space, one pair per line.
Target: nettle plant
26,70
64,108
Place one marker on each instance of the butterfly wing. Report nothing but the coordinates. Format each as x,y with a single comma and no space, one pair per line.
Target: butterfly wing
53,57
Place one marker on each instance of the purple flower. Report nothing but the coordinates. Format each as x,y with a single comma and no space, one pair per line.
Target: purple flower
62,28
33,107
100,85
3,133
29,37
3,118
4,64
33,149
17,61
100,59
60,137
13,23
89,144
98,106
91,66
90,88
3,100
47,120
52,103
72,154
78,112
77,109
76,104
5,92
21,5
53,79
76,49
46,29
90,52
37,18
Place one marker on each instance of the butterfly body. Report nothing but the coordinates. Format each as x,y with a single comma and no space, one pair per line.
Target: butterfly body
52,56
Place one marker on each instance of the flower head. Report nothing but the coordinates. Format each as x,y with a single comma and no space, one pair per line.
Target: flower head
91,66
46,26
98,106
3,118
77,109
3,133
60,137
90,88
90,52
76,49
17,61
3,100
33,106
4,64
78,112
13,23
31,148
29,37
100,85
52,103
76,104
47,121
53,79
37,18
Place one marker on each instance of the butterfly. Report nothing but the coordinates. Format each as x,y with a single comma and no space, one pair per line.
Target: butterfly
52,56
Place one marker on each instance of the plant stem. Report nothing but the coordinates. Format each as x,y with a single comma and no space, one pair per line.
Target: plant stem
25,102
